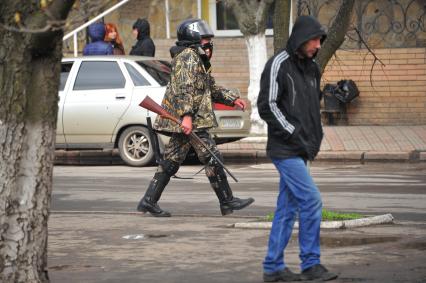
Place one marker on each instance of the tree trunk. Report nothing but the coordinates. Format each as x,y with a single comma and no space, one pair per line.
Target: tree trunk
336,33
26,149
251,16
281,24
29,80
256,47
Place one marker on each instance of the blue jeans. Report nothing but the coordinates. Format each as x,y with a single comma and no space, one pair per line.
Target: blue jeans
298,194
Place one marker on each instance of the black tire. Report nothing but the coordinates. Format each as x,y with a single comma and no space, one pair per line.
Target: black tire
135,146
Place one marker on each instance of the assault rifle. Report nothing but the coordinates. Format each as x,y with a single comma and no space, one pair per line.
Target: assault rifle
151,105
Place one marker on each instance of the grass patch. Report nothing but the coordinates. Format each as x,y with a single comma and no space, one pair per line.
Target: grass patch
269,217
328,215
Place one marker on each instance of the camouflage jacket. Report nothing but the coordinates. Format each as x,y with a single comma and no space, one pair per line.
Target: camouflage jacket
192,91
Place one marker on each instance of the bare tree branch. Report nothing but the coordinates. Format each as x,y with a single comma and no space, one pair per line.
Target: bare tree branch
247,10
43,43
281,23
59,9
263,9
336,34
94,7
376,59
53,24
50,26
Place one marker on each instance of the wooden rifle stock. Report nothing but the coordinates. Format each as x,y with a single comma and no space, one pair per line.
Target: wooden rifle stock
151,105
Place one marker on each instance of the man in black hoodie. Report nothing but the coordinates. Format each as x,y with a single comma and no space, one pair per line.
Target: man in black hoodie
144,46
289,102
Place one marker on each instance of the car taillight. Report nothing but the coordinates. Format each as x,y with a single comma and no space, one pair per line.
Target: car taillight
220,106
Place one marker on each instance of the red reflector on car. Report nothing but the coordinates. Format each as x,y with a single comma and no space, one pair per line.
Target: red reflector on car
220,106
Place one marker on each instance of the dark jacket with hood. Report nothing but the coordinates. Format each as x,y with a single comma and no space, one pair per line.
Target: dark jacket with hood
97,46
144,46
289,97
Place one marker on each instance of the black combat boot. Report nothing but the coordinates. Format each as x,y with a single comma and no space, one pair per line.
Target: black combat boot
228,203
149,202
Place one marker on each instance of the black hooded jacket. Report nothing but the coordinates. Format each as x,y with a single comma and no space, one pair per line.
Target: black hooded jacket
144,46
289,97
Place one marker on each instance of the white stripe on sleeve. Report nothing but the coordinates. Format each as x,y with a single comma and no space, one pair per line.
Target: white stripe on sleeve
273,92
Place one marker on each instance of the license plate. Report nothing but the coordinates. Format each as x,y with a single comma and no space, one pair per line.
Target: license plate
230,123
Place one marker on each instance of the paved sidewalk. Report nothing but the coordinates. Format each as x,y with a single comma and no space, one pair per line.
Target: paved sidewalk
349,143
341,143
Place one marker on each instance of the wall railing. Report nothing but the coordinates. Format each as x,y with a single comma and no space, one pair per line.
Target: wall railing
83,26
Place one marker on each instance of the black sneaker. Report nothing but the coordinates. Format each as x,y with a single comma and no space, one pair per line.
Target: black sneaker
283,276
317,272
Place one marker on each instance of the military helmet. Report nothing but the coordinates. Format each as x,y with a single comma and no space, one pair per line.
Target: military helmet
193,30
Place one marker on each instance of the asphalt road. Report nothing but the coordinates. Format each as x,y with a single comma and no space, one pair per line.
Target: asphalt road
95,235
399,189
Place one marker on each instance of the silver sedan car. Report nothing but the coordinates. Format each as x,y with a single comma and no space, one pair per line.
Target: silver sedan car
99,108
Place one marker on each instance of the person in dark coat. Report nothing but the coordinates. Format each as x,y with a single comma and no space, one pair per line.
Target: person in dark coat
97,46
289,102
144,45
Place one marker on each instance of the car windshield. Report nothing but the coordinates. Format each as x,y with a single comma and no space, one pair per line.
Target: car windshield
159,70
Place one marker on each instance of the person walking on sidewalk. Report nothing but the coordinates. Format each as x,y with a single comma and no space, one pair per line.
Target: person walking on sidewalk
189,96
289,102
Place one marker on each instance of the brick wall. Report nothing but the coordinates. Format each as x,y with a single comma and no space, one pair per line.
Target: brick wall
154,12
230,63
396,95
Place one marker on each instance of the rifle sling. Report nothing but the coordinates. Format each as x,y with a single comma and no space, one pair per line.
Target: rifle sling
154,141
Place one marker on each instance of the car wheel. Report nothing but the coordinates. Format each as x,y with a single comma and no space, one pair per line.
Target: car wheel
135,146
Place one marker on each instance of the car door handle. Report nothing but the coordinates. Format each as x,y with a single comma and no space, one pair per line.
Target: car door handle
120,96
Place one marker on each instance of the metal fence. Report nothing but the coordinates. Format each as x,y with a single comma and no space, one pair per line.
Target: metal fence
382,23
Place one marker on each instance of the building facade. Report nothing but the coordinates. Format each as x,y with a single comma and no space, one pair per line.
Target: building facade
388,61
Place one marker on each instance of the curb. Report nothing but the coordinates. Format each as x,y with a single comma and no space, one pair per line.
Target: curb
362,222
388,156
361,157
244,156
235,156
87,157
255,140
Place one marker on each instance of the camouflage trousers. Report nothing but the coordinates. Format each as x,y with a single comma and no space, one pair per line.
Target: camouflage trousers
179,145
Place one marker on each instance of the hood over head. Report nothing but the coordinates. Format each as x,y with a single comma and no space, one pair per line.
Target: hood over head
96,32
304,29
176,49
143,27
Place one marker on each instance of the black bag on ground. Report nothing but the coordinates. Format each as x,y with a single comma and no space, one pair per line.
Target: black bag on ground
346,91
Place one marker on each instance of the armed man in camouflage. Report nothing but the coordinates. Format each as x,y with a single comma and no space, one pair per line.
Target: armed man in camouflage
190,95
